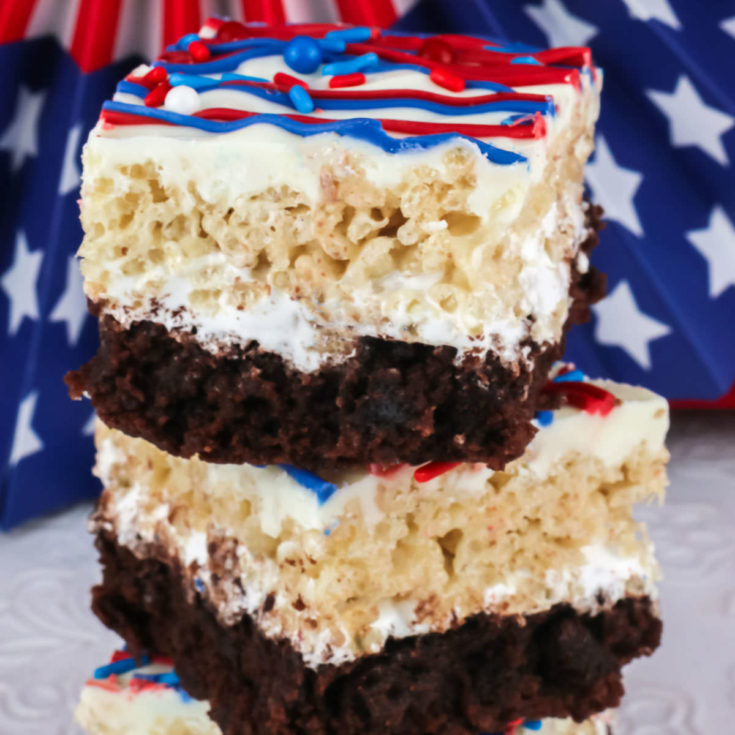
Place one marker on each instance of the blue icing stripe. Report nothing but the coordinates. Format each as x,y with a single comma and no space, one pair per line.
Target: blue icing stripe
359,128
573,376
226,63
119,667
132,88
321,488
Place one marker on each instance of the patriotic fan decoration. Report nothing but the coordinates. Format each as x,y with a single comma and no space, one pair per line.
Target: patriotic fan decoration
663,169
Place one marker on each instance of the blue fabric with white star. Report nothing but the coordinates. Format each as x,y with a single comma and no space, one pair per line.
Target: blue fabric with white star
45,439
663,169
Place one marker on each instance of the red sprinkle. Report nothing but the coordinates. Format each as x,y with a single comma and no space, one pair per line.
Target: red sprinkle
433,469
157,96
434,49
447,80
284,82
347,80
198,51
511,729
119,656
380,470
156,75
163,661
585,396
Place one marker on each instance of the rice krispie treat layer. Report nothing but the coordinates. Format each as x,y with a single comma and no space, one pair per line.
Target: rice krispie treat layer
477,677
337,564
434,202
389,401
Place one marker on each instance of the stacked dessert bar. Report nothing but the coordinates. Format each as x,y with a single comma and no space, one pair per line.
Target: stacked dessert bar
349,488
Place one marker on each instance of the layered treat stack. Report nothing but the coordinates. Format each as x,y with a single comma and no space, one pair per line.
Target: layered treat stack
348,486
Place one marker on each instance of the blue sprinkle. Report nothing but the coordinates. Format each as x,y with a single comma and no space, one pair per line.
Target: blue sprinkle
350,66
534,725
191,80
328,530
301,99
573,376
119,667
199,585
544,418
321,488
332,45
303,54
183,43
526,60
350,35
169,678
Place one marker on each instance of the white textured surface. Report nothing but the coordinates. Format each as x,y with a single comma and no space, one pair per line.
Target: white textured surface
49,642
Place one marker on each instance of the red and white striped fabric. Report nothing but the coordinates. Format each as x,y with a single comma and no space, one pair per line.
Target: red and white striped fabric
97,32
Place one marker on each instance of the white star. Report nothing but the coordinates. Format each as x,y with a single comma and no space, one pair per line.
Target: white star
691,121
25,439
616,186
621,323
729,26
72,306
560,26
19,283
716,243
70,176
659,9
20,138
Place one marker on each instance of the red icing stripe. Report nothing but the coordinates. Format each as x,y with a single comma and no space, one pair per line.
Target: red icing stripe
536,128
433,469
416,94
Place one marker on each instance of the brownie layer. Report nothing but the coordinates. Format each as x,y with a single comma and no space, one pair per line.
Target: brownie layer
389,402
479,676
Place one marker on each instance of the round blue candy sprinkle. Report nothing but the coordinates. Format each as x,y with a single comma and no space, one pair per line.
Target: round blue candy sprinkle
301,100
544,418
303,54
534,725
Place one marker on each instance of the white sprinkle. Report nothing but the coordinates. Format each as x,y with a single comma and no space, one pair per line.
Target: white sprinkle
182,99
